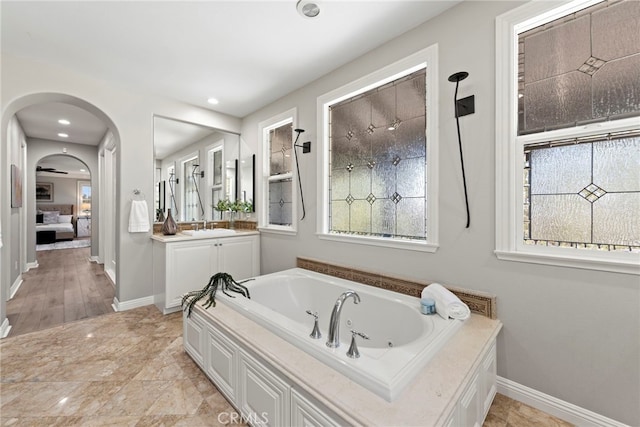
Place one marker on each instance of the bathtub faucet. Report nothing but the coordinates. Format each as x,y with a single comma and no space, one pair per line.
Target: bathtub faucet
333,340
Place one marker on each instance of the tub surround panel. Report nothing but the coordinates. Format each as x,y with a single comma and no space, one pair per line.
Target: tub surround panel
430,399
479,302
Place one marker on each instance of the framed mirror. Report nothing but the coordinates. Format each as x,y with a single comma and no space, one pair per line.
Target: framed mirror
198,165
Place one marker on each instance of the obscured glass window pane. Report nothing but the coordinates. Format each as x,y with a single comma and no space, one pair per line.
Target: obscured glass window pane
580,68
280,169
378,161
584,195
280,202
584,67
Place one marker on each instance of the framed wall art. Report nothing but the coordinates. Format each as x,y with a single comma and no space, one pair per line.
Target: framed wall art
44,191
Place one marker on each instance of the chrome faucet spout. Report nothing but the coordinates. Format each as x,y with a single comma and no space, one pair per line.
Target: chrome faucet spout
333,340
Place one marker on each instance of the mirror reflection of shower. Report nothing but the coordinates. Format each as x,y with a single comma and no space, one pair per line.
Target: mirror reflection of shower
200,166
195,175
172,190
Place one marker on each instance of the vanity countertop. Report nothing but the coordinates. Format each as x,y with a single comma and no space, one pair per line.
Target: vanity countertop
180,237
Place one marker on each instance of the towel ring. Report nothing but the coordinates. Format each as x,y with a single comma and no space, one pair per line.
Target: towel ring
137,195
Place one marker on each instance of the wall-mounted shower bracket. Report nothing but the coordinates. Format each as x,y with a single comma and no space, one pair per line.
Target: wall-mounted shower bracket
465,106
306,147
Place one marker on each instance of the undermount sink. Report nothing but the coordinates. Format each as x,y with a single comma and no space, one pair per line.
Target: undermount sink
216,232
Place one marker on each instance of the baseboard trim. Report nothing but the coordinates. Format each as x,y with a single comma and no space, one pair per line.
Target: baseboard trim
131,304
5,328
554,406
111,275
15,286
31,265
94,259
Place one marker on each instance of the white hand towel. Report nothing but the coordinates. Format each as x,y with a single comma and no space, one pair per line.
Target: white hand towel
139,217
447,303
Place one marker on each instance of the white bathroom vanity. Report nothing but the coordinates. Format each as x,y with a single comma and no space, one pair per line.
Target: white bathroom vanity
184,263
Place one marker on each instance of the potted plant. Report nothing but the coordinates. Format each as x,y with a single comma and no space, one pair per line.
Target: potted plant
222,206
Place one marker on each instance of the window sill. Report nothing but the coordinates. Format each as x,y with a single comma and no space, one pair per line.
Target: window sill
381,241
288,231
625,263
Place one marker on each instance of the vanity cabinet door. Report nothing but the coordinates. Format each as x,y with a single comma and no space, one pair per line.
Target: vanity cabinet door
264,398
239,256
188,268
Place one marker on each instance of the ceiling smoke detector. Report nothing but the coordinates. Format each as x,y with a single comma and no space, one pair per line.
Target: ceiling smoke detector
308,9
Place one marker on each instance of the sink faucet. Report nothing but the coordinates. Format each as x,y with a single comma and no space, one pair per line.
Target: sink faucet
333,340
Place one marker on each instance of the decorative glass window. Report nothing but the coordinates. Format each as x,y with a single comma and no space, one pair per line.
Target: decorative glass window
378,161
278,173
574,133
215,181
190,195
379,155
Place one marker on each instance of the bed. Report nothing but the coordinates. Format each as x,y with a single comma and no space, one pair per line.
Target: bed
54,222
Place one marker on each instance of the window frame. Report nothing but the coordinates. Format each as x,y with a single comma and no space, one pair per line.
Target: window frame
428,58
509,151
289,116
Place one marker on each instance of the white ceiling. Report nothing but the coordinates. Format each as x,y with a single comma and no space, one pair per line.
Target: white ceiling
74,167
246,54
41,121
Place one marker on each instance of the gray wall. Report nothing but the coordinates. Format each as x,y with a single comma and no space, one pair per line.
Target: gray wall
65,191
15,142
570,333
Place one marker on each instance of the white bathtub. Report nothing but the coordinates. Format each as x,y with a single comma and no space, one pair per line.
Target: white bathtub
402,340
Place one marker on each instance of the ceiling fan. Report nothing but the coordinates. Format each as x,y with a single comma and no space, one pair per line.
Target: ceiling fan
52,170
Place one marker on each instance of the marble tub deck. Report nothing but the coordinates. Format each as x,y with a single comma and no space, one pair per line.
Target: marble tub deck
129,369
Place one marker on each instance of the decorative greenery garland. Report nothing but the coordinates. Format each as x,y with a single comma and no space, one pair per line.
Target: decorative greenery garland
223,280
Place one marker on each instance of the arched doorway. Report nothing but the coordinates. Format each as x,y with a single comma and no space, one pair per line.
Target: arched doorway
63,186
24,216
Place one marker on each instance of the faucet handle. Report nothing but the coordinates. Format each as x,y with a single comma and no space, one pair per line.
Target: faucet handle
353,348
315,334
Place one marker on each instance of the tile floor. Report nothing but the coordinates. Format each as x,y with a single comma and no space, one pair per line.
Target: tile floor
129,369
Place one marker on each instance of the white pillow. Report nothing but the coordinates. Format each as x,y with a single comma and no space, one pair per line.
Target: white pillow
50,217
64,219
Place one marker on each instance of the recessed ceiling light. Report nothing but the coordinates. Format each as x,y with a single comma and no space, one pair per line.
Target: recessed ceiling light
83,170
64,122
212,101
63,135
308,9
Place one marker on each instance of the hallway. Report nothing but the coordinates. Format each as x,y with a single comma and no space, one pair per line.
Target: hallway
64,288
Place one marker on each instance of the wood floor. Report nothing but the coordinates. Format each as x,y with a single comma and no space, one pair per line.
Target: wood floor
65,287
